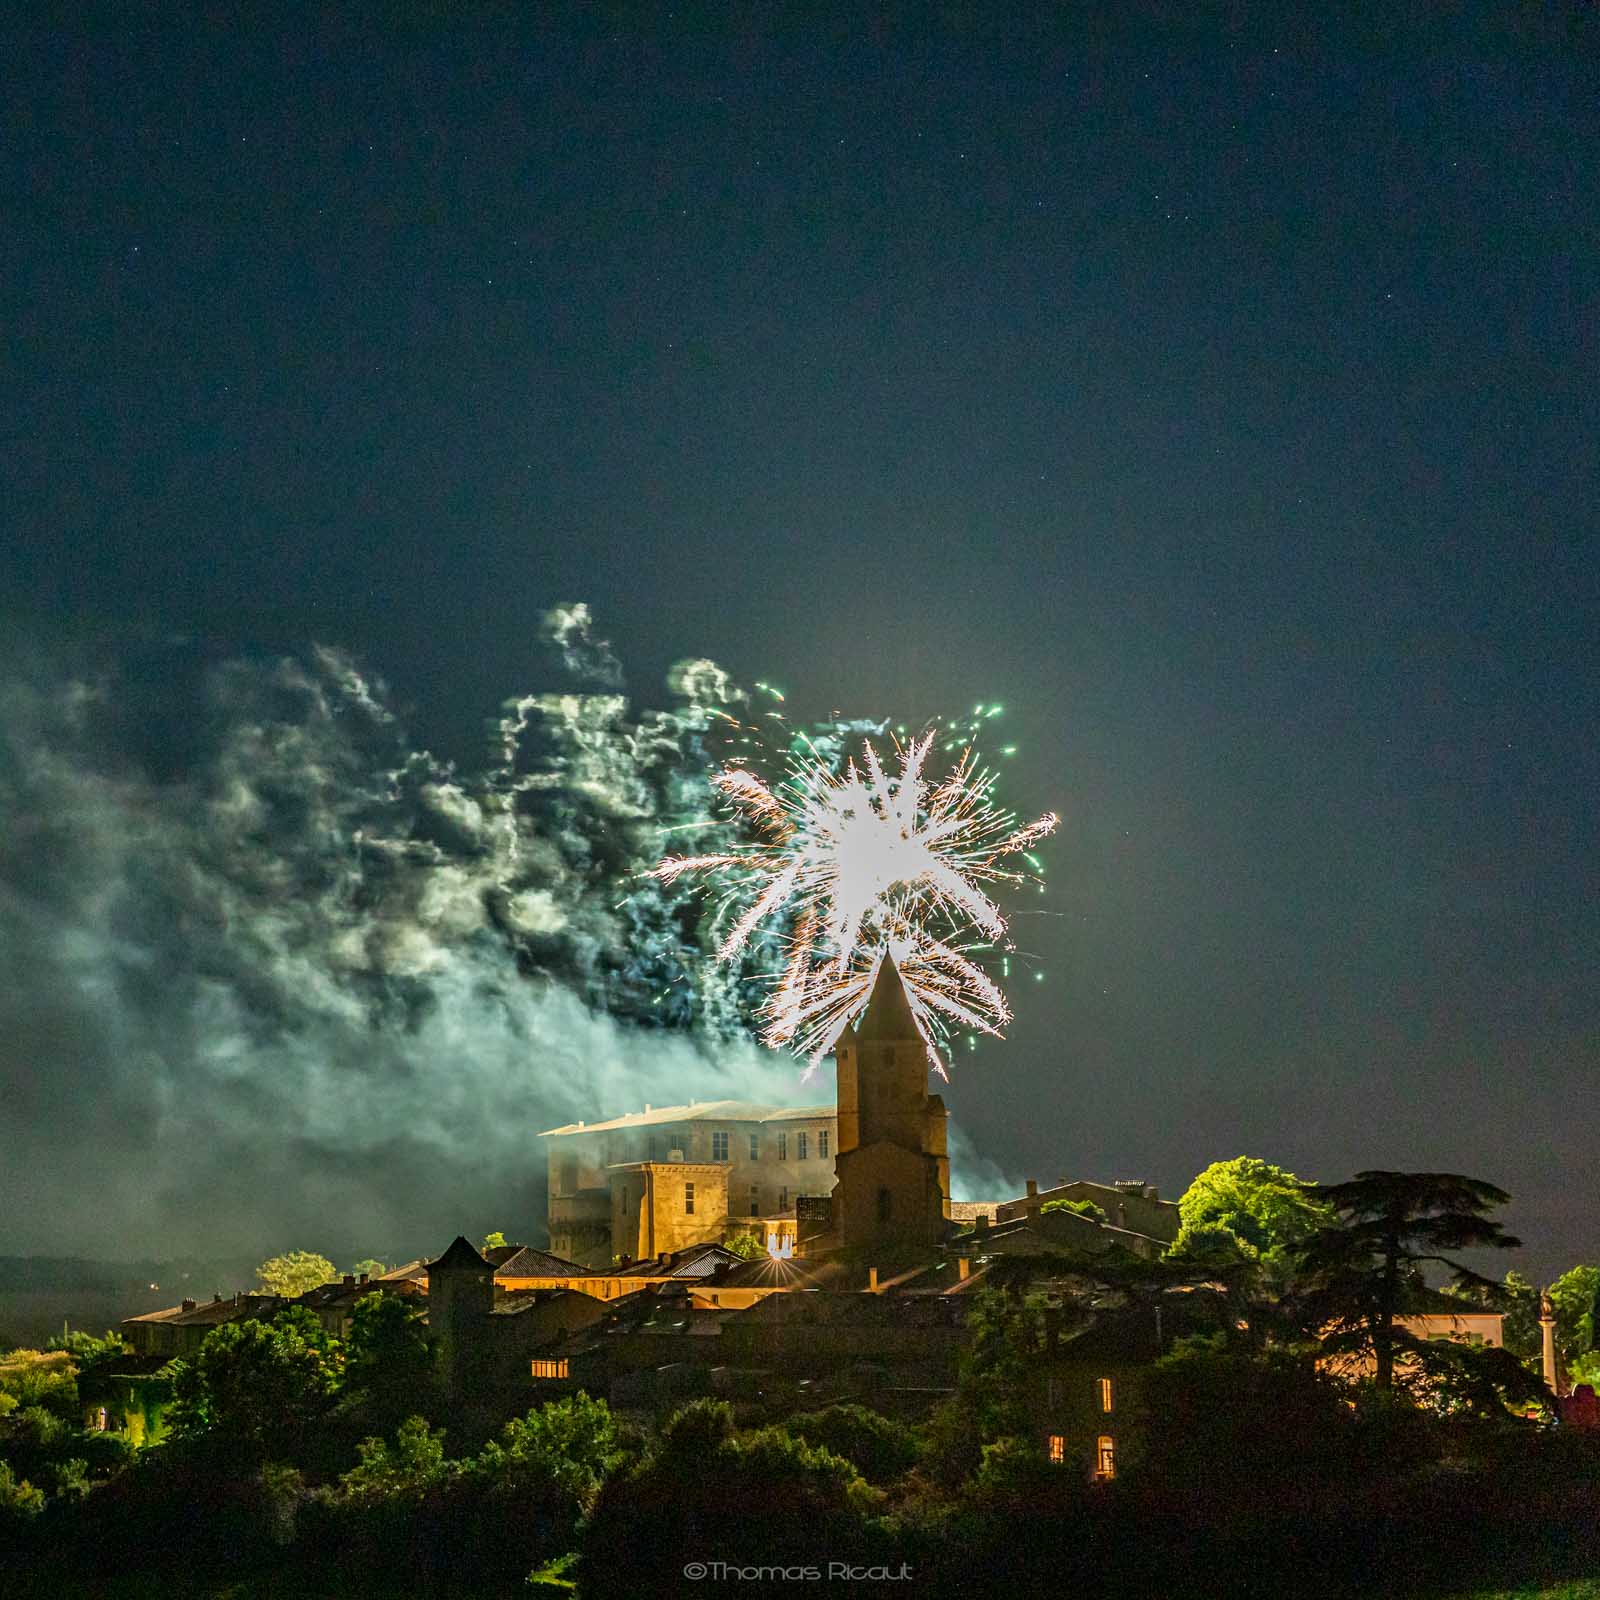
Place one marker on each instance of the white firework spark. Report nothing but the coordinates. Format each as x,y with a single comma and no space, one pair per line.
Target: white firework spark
866,862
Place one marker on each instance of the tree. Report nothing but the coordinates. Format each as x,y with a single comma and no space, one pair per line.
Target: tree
1247,1209
1573,1297
746,1246
1365,1268
294,1273
1076,1208
494,1241
370,1265
255,1387
387,1361
876,1446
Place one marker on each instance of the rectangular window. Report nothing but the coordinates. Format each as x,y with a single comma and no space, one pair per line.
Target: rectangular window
719,1145
1052,1392
800,1145
783,1147
822,1145
550,1369
1105,1457
755,1146
755,1200
1057,1446
1104,1387
783,1198
653,1148
688,1199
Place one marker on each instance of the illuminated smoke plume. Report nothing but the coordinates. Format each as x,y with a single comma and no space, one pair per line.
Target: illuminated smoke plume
273,975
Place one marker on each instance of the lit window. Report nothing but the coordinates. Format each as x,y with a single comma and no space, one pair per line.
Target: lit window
755,1200
822,1145
783,1147
1105,1457
800,1145
550,1369
719,1145
1057,1447
755,1146
688,1199
1104,1386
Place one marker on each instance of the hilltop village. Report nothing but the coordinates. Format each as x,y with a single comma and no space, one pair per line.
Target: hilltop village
772,1253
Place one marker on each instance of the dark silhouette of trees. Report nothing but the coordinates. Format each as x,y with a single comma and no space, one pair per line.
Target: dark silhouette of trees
1363,1272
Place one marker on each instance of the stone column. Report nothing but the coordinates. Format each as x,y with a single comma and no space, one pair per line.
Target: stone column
1547,1325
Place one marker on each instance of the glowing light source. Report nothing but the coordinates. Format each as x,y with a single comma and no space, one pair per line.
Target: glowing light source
858,863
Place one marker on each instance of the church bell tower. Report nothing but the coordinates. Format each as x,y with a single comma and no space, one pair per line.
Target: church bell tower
893,1165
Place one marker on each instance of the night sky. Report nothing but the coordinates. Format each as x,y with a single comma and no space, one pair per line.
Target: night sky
1223,403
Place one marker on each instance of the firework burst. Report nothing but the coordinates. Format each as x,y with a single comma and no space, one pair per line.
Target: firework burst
863,862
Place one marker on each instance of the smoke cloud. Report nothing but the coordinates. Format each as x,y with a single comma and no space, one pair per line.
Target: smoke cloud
273,977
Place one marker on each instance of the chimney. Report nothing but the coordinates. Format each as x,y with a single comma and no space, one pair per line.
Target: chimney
1033,1188
872,1280
350,1280
188,1305
981,1223
647,1108
364,1277
963,1267
216,1297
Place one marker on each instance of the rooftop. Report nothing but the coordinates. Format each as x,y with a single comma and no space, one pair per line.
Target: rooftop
697,1111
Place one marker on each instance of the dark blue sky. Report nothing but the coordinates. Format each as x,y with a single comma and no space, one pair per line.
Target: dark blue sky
1223,402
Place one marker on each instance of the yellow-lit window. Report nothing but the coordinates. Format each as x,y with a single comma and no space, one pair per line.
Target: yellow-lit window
688,1199
1103,1385
1105,1457
1057,1447
550,1369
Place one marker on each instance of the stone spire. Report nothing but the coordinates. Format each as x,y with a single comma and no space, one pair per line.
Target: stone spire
888,1015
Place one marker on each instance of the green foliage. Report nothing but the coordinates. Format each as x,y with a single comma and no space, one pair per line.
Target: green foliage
1263,1210
293,1273
19,1499
1586,1369
1013,1474
746,1246
254,1387
1226,1425
370,1265
549,1464
413,1464
387,1353
1077,1208
1519,1302
72,1479
89,1353
710,1492
494,1241
304,1322
1573,1297
41,1378
878,1448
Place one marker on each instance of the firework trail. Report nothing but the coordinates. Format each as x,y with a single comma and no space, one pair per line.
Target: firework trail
864,861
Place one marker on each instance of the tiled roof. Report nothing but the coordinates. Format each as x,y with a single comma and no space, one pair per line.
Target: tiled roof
523,1261
968,1211
697,1111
